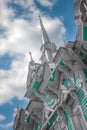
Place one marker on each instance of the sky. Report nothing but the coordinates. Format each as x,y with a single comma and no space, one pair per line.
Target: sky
20,33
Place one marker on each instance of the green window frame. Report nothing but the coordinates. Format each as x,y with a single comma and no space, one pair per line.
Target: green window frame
53,119
82,97
61,63
68,120
52,76
36,85
37,126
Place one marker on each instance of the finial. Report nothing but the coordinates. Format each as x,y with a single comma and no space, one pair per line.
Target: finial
32,61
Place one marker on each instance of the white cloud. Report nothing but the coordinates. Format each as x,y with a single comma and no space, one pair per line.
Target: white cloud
2,117
13,81
47,3
30,3
15,112
6,126
6,14
21,37
31,7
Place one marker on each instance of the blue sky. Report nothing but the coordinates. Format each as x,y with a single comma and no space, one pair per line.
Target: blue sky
20,33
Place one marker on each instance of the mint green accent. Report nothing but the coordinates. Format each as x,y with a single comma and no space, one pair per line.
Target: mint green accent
36,85
62,63
71,83
85,73
77,82
48,99
68,120
48,46
85,33
33,93
53,119
28,119
52,76
41,76
81,53
65,82
37,126
83,101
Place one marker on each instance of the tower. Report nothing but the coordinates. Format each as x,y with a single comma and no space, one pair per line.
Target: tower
57,88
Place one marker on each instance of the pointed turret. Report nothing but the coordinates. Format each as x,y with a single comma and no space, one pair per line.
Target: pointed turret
48,48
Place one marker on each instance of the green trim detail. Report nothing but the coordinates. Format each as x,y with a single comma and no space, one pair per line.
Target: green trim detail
77,82
41,77
52,76
85,73
37,126
62,63
48,99
85,33
65,82
28,119
36,85
68,120
83,101
81,53
53,119
33,94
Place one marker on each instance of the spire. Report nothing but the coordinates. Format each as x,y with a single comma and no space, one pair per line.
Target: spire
44,33
48,48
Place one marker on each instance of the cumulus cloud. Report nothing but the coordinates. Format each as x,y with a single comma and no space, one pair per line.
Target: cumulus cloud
20,37
2,117
6,126
47,3
15,112
6,14
30,6
13,81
